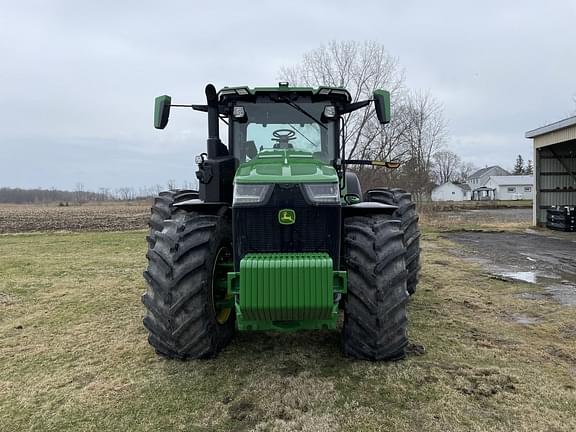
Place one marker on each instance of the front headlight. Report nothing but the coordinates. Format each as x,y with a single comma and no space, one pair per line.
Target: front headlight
250,193
323,193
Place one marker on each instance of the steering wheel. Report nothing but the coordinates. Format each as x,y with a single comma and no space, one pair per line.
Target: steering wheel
283,138
289,134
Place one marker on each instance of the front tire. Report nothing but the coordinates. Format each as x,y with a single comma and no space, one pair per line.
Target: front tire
186,313
375,321
162,209
408,216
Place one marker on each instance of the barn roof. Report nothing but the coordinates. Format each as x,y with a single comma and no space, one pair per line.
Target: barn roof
567,122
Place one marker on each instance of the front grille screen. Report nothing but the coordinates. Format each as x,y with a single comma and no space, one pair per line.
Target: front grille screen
316,229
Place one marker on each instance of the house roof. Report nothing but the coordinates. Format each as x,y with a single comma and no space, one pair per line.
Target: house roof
465,187
513,180
483,171
462,186
567,122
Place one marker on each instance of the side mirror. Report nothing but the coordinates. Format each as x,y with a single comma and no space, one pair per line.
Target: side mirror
162,111
382,105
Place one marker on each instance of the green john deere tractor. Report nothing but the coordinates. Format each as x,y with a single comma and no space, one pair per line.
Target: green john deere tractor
279,236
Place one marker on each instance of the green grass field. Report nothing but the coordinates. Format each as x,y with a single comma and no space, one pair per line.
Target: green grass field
74,355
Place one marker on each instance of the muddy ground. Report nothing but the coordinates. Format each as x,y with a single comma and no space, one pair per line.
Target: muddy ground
545,258
15,218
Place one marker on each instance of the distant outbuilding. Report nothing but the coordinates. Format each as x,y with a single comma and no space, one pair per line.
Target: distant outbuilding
554,167
451,192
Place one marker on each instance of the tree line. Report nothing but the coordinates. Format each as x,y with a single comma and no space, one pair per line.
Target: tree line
81,195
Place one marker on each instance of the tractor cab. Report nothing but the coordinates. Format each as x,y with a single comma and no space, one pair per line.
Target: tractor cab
265,123
299,119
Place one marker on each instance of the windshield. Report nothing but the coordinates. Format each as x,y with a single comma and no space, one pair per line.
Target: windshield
273,126
304,137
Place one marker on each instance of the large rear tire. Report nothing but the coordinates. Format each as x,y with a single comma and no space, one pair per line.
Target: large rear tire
408,216
189,315
375,321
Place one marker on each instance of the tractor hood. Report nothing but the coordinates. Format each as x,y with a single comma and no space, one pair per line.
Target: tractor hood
285,166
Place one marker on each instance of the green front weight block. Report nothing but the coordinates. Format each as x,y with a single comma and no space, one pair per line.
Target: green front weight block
286,291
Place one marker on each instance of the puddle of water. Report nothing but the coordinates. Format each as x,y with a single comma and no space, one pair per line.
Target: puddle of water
524,276
561,290
559,285
564,294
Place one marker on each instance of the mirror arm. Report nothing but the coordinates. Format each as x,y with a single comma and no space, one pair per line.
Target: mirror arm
354,106
203,108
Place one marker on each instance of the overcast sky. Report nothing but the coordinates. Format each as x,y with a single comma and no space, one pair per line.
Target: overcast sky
78,78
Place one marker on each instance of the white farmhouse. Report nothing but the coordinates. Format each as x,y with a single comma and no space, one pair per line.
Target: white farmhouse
480,177
512,187
478,180
451,192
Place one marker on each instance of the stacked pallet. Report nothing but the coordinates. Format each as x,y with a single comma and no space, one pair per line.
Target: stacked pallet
561,218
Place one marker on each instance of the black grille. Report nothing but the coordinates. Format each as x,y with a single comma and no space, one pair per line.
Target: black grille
317,228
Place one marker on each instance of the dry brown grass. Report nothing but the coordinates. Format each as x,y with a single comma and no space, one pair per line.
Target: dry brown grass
443,206
74,356
438,219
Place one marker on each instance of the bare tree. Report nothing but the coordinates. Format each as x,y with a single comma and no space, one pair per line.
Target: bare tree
417,130
391,144
465,170
104,194
360,68
125,193
426,136
446,166
79,193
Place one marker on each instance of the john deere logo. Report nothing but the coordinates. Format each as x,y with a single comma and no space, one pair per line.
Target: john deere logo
286,216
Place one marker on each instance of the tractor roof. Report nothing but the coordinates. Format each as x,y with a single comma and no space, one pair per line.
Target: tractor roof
322,92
